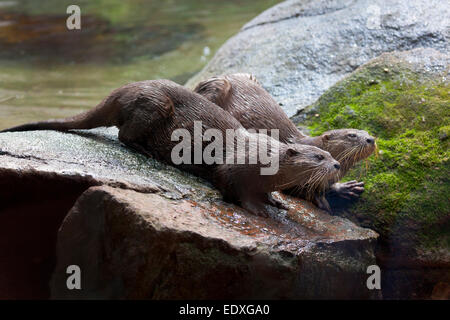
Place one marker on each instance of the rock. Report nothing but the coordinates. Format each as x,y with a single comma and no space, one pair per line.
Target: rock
131,245
441,291
298,49
94,157
41,176
141,229
406,198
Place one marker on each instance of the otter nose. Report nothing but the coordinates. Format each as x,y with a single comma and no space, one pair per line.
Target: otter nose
337,166
370,140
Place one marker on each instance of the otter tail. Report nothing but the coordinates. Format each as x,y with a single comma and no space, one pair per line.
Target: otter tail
58,125
104,115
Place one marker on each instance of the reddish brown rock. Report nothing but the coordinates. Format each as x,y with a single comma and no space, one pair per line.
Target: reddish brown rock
131,245
441,291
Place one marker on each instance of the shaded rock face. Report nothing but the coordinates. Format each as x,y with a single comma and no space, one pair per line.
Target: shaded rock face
298,49
32,207
41,176
142,246
141,229
402,99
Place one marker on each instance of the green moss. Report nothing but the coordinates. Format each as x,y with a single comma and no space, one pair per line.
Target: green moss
407,181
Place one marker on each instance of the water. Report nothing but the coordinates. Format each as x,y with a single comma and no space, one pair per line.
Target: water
47,71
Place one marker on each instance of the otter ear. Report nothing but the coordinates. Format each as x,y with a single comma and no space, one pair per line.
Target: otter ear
216,90
326,136
247,76
225,90
292,152
168,108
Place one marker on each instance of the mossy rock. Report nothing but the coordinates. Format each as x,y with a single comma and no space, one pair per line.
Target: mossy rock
402,98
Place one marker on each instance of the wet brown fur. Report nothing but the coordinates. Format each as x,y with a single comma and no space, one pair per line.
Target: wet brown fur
147,113
245,99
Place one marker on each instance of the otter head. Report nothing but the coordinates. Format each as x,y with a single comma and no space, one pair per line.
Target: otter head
308,168
348,146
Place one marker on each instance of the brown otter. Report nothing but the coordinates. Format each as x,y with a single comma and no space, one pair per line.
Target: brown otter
245,99
148,113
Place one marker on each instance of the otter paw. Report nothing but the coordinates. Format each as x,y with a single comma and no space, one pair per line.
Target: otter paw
349,190
322,203
140,149
276,203
281,205
256,209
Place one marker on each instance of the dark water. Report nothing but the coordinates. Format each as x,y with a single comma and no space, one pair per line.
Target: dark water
48,71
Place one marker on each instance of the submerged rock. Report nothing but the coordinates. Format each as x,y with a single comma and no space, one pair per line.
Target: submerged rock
407,181
300,48
142,229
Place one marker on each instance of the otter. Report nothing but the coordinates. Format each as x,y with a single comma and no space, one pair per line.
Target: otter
244,98
148,112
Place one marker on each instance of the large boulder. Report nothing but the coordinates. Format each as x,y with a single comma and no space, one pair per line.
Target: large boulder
41,176
141,229
300,48
131,245
403,99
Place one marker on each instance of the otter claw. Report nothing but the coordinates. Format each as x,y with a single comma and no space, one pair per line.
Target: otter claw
322,203
348,190
282,206
257,209
348,195
277,203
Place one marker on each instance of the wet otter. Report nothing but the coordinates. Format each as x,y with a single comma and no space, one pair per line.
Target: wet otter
148,113
244,98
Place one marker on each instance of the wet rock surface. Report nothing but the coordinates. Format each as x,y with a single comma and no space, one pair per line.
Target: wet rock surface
143,246
96,156
298,49
146,230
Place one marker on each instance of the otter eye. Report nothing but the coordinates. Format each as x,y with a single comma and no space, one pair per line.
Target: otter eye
352,135
319,157
292,152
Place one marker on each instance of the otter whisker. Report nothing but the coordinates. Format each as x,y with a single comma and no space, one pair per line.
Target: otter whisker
346,154
313,186
298,176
